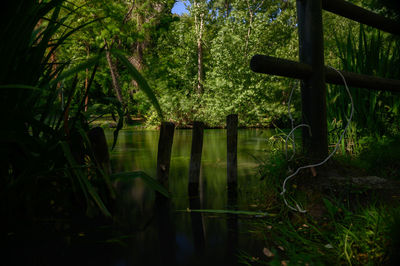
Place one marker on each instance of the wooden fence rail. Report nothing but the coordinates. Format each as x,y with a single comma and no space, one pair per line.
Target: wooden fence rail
361,15
312,70
291,69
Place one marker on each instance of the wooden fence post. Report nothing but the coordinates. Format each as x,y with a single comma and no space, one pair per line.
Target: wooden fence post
164,152
232,133
313,89
195,157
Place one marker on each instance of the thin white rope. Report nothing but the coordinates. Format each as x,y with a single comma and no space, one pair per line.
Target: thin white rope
293,139
291,133
298,208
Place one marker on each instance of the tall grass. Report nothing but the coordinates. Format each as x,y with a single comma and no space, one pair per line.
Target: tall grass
339,228
47,167
376,112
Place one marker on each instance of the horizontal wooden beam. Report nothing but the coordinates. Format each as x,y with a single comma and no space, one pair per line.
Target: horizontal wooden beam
291,69
356,13
280,67
362,81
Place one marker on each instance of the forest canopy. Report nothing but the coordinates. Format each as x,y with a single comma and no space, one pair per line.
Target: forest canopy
197,63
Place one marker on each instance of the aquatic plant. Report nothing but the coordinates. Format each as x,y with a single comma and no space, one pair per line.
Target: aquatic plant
48,167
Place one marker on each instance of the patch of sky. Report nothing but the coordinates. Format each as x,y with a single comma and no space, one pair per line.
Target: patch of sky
180,7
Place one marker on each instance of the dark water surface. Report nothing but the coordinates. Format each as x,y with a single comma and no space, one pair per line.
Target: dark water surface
169,235
145,233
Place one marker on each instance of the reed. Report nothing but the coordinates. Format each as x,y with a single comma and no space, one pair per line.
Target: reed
47,164
376,112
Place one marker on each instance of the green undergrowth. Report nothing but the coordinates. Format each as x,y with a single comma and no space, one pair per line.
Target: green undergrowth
340,227
363,236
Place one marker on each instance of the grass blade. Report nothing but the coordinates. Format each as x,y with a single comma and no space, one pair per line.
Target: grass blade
257,214
151,182
144,86
83,180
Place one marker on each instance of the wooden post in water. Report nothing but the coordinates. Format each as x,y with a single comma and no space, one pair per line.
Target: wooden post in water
232,133
195,158
164,152
313,89
166,230
100,148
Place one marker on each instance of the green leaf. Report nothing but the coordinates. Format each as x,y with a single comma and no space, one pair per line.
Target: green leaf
151,182
73,71
85,184
19,86
144,86
102,171
120,124
258,214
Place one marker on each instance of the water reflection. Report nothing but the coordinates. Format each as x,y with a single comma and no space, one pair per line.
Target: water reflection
185,238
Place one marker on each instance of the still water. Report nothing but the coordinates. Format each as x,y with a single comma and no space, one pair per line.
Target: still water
176,236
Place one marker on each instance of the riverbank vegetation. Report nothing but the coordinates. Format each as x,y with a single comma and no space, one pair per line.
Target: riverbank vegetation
346,222
68,64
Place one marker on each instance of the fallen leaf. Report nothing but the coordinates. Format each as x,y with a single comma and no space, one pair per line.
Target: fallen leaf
284,263
281,248
268,253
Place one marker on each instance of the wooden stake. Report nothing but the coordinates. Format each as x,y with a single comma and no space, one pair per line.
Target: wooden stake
231,126
164,152
100,148
195,157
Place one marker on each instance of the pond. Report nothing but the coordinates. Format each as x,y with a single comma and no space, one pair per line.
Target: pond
178,236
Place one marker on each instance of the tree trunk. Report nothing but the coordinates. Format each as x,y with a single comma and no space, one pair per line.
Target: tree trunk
199,26
252,10
115,78
227,7
200,70
115,83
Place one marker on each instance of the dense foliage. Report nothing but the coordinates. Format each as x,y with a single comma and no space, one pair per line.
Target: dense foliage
198,62
48,166
67,63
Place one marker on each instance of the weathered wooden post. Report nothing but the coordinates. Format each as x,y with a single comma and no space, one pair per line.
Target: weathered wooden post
313,89
195,157
100,148
232,133
164,152
232,222
194,181
166,230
